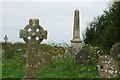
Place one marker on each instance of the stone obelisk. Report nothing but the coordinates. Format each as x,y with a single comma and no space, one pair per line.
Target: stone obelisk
76,42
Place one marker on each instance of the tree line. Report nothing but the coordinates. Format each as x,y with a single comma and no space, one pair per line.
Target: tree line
104,30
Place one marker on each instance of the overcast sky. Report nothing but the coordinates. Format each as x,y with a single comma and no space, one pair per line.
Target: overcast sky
55,17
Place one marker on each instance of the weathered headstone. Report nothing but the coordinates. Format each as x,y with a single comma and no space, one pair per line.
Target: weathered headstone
115,51
108,67
70,51
83,57
76,42
43,59
32,34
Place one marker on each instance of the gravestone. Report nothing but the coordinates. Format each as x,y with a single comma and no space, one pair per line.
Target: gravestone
115,51
76,42
5,44
43,59
6,38
108,67
32,34
83,57
70,51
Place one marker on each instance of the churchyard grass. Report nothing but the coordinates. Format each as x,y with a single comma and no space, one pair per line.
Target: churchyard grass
67,68
61,66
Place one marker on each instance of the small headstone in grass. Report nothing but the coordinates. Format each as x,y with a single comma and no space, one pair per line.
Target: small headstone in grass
115,51
108,67
43,59
83,57
70,52
24,55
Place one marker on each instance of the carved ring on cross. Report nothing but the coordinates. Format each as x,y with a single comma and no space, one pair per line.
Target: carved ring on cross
33,30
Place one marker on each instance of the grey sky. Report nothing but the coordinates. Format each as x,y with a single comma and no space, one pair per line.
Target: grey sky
55,17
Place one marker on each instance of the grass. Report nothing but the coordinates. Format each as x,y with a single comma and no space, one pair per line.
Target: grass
67,68
61,66
13,68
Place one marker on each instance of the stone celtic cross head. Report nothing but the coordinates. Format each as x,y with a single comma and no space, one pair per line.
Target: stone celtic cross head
33,31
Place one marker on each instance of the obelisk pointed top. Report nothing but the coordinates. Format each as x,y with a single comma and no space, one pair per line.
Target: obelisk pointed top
76,9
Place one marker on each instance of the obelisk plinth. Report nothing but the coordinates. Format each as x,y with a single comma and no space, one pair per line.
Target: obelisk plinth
76,42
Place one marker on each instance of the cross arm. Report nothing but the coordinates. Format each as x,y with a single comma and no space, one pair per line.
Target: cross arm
42,34
24,33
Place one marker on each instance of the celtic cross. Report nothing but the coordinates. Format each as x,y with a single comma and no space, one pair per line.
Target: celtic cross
32,34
